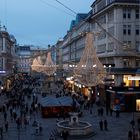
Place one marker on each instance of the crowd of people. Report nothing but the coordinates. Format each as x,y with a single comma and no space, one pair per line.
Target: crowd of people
20,105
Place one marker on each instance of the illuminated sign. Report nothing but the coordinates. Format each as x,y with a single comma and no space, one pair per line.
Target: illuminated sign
134,78
2,71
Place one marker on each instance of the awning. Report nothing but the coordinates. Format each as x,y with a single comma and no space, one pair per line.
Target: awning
124,90
124,70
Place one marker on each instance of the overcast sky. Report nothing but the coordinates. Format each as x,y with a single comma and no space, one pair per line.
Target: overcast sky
40,22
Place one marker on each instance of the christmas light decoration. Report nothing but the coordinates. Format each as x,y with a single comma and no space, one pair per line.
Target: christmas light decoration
37,64
89,70
49,67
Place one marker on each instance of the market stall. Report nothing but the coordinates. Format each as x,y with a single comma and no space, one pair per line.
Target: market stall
52,106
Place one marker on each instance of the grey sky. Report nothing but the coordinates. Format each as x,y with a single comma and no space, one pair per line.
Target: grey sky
37,22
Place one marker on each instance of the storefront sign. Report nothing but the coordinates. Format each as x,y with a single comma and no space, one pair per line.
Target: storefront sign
134,78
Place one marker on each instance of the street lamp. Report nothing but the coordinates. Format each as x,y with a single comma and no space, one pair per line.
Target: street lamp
2,88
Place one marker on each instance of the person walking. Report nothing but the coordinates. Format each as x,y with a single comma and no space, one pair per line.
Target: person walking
99,112
101,125
130,134
40,129
117,113
139,126
5,116
105,125
102,111
1,131
6,126
111,111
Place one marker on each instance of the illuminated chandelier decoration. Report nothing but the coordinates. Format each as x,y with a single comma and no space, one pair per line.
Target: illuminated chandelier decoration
49,67
37,64
89,70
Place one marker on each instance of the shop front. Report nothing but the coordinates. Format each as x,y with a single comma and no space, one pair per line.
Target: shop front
123,98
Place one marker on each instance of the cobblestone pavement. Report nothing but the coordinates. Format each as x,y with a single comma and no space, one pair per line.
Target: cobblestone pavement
117,127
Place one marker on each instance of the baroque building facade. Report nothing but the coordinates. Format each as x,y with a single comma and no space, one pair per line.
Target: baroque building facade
8,58
7,55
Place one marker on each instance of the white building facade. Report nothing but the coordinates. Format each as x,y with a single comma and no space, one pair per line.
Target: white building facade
116,28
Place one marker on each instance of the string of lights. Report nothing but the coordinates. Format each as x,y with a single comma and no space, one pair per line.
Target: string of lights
48,4
108,33
66,7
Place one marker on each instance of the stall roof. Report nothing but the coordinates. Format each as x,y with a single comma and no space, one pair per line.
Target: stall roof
49,101
60,101
67,101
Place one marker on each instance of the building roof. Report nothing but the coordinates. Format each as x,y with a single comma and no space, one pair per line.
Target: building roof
79,17
49,101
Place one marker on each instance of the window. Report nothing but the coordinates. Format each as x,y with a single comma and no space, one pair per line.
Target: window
129,32
127,29
129,15
126,63
137,14
137,46
126,13
124,29
137,29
